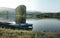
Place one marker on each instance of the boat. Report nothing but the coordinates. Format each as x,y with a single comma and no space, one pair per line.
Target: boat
24,26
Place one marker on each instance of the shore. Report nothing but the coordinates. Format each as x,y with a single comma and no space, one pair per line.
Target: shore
9,33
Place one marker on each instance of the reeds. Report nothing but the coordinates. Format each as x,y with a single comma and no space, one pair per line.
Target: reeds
9,33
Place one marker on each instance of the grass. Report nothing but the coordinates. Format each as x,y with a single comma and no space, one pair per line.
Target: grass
9,33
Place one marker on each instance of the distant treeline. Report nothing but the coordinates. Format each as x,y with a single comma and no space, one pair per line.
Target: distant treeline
33,15
44,15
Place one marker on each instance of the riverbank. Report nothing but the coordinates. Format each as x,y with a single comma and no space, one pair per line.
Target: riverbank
9,33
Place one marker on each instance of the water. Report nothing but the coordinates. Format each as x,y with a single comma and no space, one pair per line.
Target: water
47,24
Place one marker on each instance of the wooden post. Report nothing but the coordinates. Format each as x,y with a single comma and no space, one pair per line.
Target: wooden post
20,14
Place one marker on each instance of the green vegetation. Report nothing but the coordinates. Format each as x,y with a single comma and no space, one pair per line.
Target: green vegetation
44,15
9,33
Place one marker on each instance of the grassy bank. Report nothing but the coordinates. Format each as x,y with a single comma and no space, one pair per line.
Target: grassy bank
9,33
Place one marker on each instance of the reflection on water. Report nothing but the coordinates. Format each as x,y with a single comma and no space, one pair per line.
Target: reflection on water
50,24
10,20
46,24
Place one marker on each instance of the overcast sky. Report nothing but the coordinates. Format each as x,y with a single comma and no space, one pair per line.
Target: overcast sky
33,5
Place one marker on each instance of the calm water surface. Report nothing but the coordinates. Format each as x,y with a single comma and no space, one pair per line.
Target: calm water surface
47,24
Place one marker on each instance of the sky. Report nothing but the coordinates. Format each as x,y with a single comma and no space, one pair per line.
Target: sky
33,5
